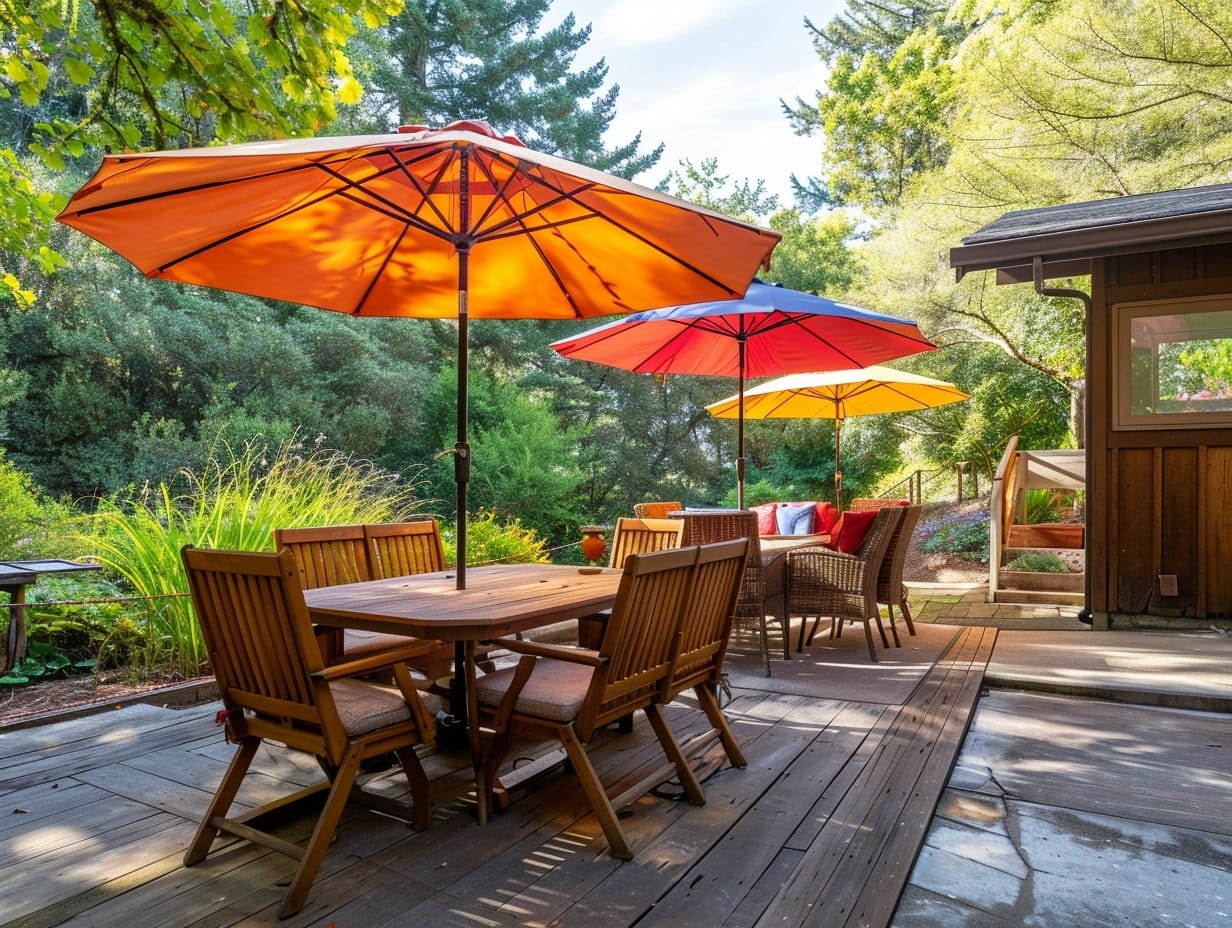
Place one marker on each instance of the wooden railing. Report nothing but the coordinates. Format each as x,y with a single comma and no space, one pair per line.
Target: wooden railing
1001,509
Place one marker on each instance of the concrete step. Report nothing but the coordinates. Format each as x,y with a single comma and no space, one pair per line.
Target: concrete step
1038,597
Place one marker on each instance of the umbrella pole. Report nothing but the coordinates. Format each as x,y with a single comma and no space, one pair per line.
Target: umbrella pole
462,448
740,431
838,470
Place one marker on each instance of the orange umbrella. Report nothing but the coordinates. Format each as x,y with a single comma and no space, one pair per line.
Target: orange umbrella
427,223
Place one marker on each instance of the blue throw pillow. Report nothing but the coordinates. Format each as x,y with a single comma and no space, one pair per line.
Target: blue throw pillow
796,520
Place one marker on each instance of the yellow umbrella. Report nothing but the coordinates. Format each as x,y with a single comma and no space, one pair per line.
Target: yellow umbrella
838,395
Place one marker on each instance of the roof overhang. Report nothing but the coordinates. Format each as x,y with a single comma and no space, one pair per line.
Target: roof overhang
1067,238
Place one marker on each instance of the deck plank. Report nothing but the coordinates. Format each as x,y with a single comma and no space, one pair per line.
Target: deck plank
833,881
133,786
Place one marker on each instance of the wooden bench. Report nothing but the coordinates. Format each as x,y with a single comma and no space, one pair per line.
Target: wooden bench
15,576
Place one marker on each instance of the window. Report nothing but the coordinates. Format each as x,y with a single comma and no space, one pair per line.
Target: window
1174,364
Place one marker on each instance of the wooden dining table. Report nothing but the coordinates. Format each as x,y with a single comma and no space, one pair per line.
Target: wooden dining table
499,600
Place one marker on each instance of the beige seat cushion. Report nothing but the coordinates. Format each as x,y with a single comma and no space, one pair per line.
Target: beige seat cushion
555,690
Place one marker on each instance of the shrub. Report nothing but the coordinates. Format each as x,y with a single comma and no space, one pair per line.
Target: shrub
1043,561
964,534
489,540
235,503
19,510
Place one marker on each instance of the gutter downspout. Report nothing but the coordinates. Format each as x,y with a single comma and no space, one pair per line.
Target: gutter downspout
1037,277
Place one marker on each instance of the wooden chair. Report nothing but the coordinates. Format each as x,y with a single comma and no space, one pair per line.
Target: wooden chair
631,536
327,555
890,589
400,549
276,687
656,510
572,692
762,593
697,662
824,582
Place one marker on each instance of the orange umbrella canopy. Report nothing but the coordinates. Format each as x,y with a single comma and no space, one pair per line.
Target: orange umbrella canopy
427,223
378,225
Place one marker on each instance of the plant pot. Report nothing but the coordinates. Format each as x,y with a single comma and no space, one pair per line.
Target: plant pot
1053,581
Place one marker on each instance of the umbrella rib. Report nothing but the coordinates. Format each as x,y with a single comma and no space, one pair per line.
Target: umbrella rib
571,196
374,203
359,307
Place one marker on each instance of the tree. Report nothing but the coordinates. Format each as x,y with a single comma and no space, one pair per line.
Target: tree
886,100
117,74
438,62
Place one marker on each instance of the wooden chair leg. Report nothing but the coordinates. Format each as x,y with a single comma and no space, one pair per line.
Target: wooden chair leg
708,700
421,797
585,772
223,797
322,835
785,621
671,747
764,637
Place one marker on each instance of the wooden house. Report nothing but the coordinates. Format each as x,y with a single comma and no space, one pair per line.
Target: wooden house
1159,388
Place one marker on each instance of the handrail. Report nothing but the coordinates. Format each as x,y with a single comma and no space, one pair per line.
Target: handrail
1001,511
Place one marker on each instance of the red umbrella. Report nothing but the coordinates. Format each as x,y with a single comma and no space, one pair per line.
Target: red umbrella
771,331
447,223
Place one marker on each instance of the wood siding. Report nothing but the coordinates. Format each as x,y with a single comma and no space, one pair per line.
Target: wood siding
1159,501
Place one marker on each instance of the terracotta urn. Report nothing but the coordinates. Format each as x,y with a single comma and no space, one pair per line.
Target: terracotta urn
593,542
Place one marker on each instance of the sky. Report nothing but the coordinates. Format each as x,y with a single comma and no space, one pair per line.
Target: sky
705,78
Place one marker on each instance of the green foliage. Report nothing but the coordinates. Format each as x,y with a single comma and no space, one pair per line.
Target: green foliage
964,533
1042,561
83,616
435,63
234,503
704,185
815,254
19,509
883,118
43,662
493,539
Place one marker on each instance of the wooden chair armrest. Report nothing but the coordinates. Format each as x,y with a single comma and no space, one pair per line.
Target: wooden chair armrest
554,651
373,662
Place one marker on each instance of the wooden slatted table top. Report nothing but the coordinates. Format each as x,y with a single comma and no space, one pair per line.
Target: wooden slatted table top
498,600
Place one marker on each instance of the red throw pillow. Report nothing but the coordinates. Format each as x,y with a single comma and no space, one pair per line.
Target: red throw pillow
766,523
853,526
826,518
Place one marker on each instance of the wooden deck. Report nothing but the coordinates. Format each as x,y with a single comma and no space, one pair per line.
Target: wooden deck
847,762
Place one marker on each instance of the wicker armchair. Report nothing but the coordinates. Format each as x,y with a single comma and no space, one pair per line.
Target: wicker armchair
824,582
866,502
762,593
890,589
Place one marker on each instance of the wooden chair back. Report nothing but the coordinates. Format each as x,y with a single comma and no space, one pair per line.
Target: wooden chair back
706,617
400,549
274,685
639,637
656,510
326,555
643,536
263,653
